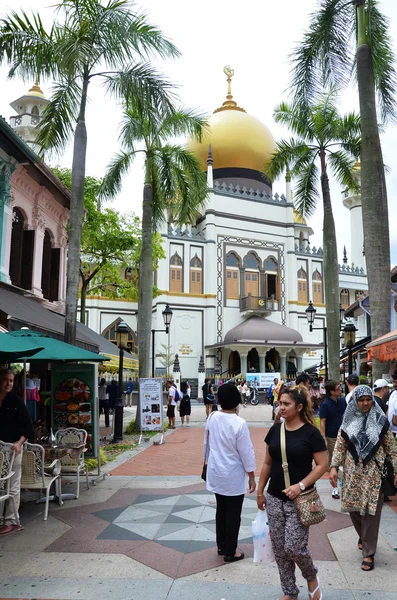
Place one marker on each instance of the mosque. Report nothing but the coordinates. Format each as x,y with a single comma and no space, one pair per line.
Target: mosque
238,281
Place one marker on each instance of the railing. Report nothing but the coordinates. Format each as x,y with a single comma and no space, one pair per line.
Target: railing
258,303
25,119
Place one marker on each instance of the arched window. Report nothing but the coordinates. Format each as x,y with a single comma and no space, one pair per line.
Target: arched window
196,275
232,276
302,285
176,273
35,111
317,287
272,279
251,274
21,256
344,298
50,269
110,334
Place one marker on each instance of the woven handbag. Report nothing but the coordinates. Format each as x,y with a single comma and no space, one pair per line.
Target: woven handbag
308,504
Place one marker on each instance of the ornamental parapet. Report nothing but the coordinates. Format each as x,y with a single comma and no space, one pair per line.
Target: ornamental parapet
250,194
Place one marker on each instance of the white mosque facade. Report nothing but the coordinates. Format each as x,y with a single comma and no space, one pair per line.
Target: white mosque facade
239,280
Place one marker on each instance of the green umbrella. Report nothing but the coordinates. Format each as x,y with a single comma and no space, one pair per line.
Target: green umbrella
14,349
50,349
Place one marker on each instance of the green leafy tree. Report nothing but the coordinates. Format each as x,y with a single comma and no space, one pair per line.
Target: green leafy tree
174,183
89,41
110,247
353,36
325,140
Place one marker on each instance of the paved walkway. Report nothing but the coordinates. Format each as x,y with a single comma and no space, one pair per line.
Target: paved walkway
147,531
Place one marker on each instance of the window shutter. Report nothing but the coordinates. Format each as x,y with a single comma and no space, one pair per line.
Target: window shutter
27,259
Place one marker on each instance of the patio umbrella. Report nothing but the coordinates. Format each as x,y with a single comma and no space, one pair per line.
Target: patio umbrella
51,349
14,349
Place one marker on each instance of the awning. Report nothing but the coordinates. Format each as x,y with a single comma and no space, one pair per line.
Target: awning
109,349
384,348
358,346
52,350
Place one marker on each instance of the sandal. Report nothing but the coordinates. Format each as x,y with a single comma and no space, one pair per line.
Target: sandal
359,544
314,592
370,565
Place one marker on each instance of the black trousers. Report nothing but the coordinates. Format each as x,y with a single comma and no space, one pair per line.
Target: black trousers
104,404
228,519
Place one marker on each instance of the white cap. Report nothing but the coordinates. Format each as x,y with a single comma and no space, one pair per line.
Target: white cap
380,383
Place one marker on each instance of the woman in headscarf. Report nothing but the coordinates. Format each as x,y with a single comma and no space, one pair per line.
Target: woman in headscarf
364,440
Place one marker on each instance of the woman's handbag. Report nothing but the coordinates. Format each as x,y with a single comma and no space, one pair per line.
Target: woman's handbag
387,473
308,504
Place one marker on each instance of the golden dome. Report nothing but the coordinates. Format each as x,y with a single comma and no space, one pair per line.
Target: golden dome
35,90
298,218
236,138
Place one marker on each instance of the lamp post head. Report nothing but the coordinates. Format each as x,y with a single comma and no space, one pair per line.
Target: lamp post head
122,334
349,333
310,314
167,316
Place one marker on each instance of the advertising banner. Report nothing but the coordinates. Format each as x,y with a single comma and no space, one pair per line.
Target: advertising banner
74,388
151,404
262,380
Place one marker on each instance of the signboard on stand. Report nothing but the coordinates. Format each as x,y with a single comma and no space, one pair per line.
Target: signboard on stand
74,388
151,404
262,380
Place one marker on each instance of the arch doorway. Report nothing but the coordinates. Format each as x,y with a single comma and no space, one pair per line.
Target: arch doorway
253,361
272,361
234,363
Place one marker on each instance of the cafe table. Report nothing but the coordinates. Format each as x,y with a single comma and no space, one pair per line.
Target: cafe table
55,452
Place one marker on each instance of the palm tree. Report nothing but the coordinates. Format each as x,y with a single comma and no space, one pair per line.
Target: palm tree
174,184
324,138
345,36
91,41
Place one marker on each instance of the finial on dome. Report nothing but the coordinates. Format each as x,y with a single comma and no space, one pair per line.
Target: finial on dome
35,90
229,104
210,160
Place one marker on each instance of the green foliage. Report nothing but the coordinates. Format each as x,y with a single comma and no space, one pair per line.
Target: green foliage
92,463
321,132
110,245
166,357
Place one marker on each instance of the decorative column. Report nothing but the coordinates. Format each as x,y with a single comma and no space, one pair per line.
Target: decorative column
243,362
283,363
6,170
201,378
62,245
39,227
262,361
177,372
299,363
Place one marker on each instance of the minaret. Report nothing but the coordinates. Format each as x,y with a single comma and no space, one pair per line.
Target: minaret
352,201
210,176
30,109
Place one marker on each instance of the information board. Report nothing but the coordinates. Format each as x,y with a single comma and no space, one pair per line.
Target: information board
151,404
262,380
74,389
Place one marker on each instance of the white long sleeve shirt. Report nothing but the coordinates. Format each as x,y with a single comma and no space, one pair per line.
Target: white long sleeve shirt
392,410
231,454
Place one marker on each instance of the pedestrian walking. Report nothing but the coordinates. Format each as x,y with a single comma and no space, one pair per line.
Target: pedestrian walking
129,390
208,396
244,392
362,445
185,408
381,393
16,428
173,396
230,455
352,382
104,401
304,444
112,391
331,414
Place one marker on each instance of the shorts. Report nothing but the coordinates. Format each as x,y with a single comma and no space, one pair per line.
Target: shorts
171,411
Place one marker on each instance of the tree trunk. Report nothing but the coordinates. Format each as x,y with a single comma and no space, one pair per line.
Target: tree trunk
76,221
83,301
373,197
331,277
145,279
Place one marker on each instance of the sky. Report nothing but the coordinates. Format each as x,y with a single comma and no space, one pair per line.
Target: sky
255,38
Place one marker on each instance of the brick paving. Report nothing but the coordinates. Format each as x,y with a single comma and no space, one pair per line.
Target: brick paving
182,454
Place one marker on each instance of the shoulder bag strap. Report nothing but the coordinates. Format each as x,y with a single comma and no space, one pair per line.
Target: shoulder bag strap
284,463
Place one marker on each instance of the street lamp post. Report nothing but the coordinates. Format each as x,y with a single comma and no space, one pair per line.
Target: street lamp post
311,315
349,334
167,317
122,340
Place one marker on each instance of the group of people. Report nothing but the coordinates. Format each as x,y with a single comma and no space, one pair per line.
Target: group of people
355,435
178,400
108,395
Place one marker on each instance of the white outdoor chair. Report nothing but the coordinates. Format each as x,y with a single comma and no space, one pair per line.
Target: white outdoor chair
36,475
7,455
73,465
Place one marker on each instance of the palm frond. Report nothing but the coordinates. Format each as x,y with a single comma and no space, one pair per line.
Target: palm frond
383,61
134,128
182,122
286,155
325,56
112,182
306,190
296,117
59,116
144,82
342,164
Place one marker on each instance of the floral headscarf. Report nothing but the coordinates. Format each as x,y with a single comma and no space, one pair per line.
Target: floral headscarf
364,432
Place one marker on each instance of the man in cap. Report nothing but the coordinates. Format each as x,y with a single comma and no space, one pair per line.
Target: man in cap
381,393
15,427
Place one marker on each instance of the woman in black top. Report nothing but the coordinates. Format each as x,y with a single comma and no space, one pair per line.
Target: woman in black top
208,396
304,443
185,408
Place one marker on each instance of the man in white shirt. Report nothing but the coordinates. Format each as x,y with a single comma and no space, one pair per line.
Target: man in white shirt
392,412
352,382
171,404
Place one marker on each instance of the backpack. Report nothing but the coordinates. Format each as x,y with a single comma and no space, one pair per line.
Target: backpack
177,395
